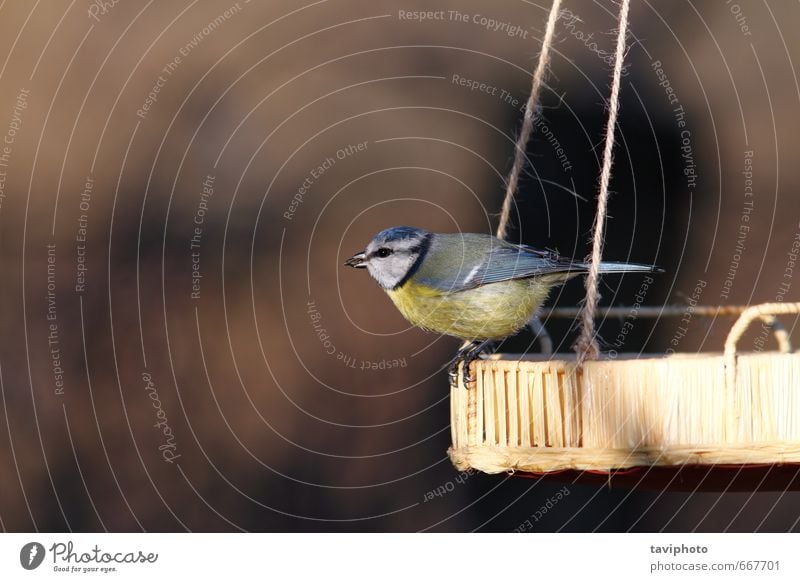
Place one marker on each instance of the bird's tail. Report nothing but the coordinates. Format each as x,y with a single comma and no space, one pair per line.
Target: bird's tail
609,267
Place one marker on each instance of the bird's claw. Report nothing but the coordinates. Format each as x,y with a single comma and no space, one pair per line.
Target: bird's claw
465,356
452,369
465,376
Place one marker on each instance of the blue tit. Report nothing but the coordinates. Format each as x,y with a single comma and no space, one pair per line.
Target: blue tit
475,287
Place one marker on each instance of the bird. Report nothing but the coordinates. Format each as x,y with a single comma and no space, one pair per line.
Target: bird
475,287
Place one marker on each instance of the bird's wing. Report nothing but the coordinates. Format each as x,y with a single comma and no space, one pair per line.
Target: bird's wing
496,262
511,261
508,262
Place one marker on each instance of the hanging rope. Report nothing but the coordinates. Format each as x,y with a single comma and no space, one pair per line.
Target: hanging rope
527,125
586,346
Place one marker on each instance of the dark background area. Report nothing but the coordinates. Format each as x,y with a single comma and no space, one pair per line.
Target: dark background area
273,432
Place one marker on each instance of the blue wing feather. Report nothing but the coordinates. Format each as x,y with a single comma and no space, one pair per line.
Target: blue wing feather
458,262
508,262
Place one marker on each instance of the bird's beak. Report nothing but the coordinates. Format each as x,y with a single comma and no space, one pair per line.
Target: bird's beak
357,261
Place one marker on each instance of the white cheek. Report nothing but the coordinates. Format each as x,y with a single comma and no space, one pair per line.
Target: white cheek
377,272
387,273
371,269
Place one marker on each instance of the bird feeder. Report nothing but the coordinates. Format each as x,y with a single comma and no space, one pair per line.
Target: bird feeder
541,414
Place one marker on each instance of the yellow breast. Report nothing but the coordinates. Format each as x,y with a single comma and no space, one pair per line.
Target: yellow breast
487,312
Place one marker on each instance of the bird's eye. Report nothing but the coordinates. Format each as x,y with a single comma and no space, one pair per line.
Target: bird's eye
383,253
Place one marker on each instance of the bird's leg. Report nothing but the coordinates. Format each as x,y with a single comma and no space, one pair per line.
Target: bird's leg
540,332
452,369
467,354
473,355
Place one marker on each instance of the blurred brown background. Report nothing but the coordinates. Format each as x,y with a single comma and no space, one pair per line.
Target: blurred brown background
194,356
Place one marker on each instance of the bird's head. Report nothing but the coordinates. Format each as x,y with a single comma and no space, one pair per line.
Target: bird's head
393,255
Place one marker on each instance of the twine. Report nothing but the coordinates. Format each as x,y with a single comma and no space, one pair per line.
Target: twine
586,346
779,331
527,124
652,311
766,312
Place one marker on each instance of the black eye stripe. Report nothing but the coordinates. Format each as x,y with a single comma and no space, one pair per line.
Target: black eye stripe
420,250
384,252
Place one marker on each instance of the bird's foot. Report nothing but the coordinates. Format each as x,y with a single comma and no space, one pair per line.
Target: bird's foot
452,369
465,356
